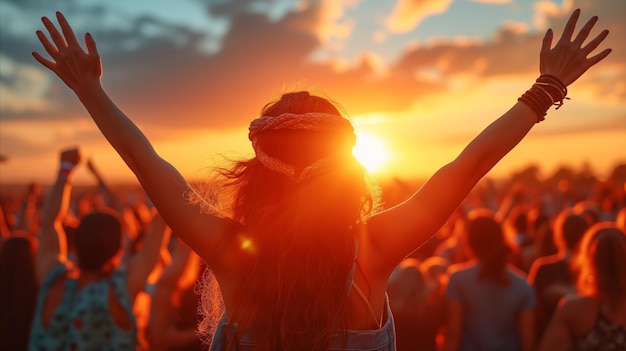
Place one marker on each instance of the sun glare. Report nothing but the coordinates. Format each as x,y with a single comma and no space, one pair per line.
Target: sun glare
370,152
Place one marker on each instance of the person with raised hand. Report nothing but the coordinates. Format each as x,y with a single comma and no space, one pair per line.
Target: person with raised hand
87,306
300,255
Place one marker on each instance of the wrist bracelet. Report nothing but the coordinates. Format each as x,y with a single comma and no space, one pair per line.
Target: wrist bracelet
66,169
67,165
548,90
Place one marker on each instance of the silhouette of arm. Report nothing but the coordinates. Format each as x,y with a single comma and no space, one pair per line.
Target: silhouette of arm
52,241
111,199
142,262
26,219
417,219
166,187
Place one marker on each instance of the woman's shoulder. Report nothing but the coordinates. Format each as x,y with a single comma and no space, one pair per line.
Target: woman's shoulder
576,305
517,274
463,268
461,274
582,314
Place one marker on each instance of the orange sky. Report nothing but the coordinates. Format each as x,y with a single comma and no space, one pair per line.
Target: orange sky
423,104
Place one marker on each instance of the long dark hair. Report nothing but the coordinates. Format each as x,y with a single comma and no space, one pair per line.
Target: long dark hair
299,235
601,262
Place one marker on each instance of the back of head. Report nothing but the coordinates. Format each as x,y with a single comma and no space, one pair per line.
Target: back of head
97,240
435,267
569,229
519,219
602,262
303,162
516,225
588,209
17,263
407,287
486,240
536,220
299,129
17,248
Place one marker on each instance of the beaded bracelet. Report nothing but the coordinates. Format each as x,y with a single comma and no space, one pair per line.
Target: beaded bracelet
548,90
552,79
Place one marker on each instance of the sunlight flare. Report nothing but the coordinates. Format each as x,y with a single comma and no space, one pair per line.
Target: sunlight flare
370,152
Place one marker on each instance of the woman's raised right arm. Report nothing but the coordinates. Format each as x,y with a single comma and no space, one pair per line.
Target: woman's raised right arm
81,71
418,218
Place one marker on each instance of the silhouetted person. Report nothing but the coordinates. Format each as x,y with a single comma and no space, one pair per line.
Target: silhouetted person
552,276
595,317
18,291
417,304
490,305
89,306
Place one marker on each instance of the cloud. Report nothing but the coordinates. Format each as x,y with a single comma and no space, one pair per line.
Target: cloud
333,24
168,81
514,28
514,51
22,87
407,14
547,11
167,75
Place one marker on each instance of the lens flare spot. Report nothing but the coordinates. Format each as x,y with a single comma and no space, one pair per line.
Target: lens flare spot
246,244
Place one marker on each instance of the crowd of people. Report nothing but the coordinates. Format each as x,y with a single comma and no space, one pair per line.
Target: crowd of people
488,296
469,284
293,248
63,255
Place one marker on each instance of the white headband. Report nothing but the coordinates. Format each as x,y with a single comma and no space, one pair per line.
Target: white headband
312,121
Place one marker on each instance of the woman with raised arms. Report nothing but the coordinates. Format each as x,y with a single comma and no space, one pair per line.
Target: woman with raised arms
301,258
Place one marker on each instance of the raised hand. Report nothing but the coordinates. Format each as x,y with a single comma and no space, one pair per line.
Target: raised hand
71,156
568,60
76,67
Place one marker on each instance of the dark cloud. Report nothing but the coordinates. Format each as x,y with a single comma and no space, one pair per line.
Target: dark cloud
181,85
513,56
168,80
15,146
231,8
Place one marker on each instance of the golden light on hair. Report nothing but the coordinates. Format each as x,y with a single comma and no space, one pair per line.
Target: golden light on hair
370,152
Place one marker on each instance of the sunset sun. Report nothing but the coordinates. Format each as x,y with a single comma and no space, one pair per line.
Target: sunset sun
370,152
